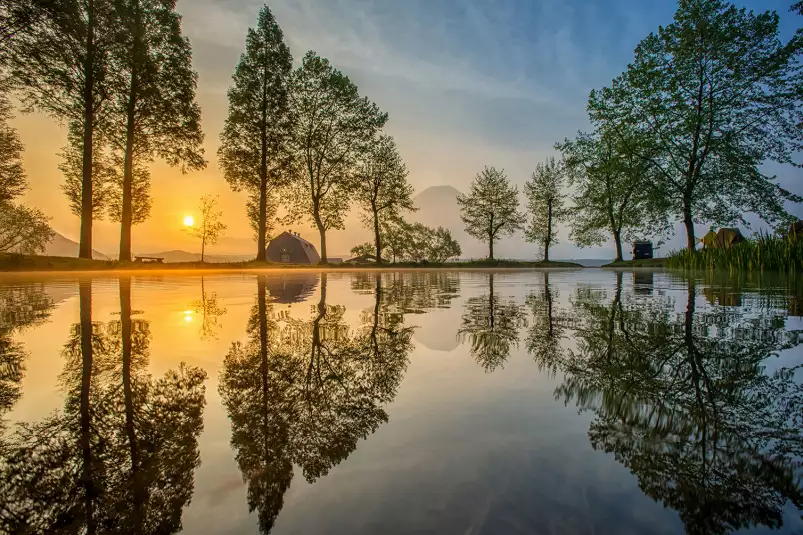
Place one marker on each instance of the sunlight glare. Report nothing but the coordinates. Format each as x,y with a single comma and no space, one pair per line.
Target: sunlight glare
189,220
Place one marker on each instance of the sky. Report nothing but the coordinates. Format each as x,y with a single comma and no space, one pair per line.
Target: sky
466,84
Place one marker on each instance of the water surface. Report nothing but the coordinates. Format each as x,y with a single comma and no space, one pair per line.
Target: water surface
563,402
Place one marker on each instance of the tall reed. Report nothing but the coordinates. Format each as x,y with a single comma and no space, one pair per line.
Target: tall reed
764,253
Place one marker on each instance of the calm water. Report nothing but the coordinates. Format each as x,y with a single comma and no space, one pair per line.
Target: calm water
569,402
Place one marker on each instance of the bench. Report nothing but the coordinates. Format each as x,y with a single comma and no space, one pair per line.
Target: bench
149,259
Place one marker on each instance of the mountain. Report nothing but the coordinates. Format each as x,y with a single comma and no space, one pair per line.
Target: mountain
63,246
177,255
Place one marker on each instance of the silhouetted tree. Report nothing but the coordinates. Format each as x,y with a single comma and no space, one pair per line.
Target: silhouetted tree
155,102
255,153
210,227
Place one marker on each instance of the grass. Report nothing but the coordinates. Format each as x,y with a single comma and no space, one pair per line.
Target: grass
764,253
22,263
643,262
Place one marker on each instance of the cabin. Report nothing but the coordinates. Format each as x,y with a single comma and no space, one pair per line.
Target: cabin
290,248
642,249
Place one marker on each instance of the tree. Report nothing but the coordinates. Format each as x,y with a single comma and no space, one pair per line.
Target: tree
612,191
712,96
23,230
210,227
255,142
415,242
545,204
333,128
490,210
382,188
12,175
155,102
62,66
104,173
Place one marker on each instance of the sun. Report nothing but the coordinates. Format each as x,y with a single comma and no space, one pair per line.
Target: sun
189,220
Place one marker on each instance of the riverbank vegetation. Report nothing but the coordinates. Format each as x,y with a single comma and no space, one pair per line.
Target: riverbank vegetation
764,253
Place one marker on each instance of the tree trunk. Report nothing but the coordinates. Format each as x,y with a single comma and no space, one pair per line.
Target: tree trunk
617,238
263,354
322,230
491,239
128,400
377,237
691,242
548,240
203,247
262,224
126,221
85,312
85,247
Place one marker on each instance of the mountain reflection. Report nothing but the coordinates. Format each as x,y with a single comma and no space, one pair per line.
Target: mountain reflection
684,401
304,391
491,325
120,456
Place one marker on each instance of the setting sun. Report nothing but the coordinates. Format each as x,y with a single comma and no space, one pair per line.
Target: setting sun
189,220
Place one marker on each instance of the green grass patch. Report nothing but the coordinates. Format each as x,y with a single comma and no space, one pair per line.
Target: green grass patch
764,253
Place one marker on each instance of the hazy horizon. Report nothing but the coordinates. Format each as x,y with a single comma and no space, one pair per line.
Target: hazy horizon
465,86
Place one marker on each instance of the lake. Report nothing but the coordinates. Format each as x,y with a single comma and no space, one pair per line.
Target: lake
559,402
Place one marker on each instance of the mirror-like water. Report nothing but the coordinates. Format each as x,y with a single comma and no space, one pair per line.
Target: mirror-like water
564,402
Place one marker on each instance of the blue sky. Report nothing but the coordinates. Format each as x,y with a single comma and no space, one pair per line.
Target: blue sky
466,83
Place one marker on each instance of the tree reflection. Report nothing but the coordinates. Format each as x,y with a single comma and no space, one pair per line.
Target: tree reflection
491,325
21,307
546,332
304,391
120,457
210,311
683,401
411,292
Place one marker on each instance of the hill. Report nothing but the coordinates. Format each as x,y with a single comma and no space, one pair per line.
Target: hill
63,246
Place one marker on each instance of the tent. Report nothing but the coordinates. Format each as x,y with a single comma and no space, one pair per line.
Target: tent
725,238
291,248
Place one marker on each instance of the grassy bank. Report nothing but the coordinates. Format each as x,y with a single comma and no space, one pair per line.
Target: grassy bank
22,263
644,262
765,253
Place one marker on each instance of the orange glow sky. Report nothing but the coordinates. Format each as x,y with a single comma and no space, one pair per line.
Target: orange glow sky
465,85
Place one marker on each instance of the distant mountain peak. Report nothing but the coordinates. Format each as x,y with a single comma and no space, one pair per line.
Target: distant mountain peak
438,192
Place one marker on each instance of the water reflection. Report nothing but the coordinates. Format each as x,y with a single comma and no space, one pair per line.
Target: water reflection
491,324
684,401
210,310
120,456
21,307
304,391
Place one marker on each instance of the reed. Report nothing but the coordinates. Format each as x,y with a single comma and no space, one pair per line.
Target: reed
763,253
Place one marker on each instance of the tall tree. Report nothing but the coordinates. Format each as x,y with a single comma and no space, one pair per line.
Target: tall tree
333,129
612,194
714,95
61,64
490,210
12,175
210,227
545,204
382,188
255,142
156,104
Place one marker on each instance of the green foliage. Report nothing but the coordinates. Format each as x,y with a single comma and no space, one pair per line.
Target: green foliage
382,189
333,129
104,173
490,210
415,242
364,249
711,97
613,194
545,204
764,253
255,150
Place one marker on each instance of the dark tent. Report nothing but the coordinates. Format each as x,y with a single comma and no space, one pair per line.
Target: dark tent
290,248
725,238
291,288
